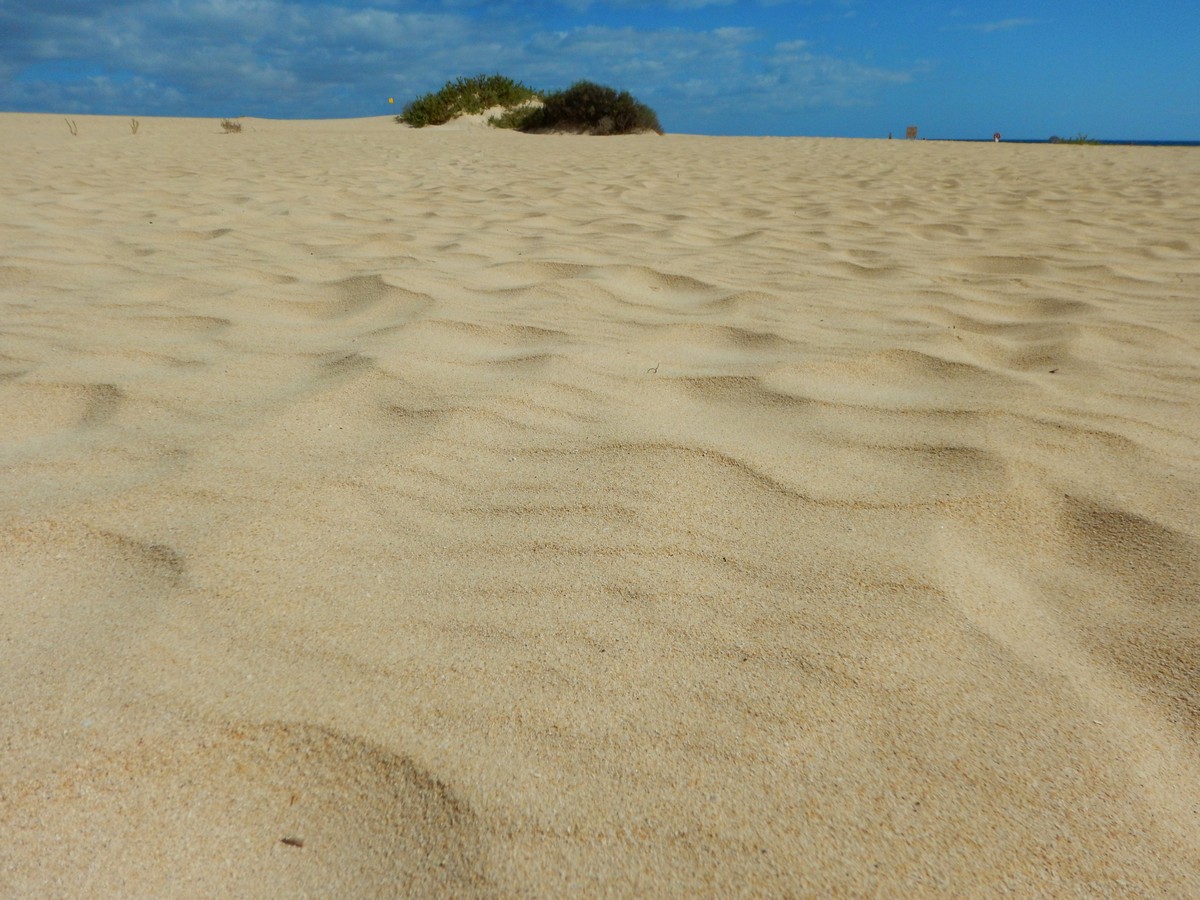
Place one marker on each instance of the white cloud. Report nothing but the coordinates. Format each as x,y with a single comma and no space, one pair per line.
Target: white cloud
1002,25
791,46
273,57
799,78
257,54
737,35
597,51
676,5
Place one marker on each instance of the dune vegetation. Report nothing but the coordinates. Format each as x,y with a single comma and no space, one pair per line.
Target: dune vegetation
1080,139
585,107
466,97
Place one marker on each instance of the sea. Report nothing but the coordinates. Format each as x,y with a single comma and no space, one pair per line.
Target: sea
1101,143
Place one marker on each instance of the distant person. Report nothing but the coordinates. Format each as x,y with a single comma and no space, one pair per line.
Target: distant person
996,137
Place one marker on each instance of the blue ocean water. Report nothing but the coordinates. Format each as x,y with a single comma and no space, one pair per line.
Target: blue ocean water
1099,142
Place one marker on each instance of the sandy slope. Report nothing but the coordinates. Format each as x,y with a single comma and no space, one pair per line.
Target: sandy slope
520,515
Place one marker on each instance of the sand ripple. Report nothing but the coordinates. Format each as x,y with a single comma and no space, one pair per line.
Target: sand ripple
467,513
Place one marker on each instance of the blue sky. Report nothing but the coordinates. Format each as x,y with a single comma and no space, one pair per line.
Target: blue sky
853,68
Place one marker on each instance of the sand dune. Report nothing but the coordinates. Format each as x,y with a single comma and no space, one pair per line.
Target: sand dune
459,512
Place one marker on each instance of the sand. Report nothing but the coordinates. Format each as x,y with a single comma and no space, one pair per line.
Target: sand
464,512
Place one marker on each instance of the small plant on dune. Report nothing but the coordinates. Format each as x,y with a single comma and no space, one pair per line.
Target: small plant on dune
231,127
592,108
465,96
72,127
514,118
134,125
1079,139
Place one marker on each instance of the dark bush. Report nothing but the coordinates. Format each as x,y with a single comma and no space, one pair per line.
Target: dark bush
465,96
593,109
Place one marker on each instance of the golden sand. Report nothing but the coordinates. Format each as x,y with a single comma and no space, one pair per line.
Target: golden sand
464,512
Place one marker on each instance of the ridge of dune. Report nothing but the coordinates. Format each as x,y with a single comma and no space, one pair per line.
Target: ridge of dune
456,511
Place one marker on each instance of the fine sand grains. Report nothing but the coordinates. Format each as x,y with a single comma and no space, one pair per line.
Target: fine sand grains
460,512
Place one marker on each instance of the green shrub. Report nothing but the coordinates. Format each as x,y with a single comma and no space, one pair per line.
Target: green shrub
465,96
513,118
1080,138
585,107
593,109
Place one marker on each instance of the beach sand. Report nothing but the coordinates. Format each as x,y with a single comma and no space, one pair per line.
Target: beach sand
462,512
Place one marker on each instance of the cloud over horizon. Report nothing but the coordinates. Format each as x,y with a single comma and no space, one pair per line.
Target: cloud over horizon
319,59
